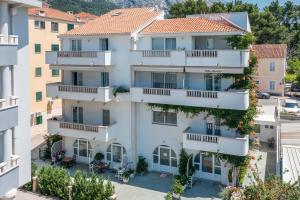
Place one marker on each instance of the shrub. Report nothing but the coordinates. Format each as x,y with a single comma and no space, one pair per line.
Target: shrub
53,181
177,188
119,89
290,78
142,165
109,189
99,156
88,189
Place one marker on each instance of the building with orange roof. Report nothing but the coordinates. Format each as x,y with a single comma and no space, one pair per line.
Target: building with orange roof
85,17
45,24
116,65
271,67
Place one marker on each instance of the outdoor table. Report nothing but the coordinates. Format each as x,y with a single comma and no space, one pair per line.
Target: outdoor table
68,161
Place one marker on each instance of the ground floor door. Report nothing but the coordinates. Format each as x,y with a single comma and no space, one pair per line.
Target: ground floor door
164,159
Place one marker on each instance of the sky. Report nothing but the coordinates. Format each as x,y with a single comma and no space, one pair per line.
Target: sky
263,3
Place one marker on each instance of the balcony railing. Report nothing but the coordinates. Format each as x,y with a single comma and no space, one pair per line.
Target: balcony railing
57,125
9,39
202,138
223,58
233,99
13,162
8,113
77,88
157,91
201,53
196,140
76,92
77,54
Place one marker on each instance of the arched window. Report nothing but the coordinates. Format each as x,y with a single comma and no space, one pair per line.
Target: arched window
82,147
115,152
164,155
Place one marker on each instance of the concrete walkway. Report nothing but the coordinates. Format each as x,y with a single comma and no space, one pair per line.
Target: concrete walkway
21,195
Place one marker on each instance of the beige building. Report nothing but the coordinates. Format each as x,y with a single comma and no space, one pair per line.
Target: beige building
271,67
45,24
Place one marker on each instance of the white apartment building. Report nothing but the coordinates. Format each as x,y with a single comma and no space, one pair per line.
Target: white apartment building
164,61
14,96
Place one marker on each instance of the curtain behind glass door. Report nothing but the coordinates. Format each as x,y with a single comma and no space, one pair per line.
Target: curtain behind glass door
170,43
157,43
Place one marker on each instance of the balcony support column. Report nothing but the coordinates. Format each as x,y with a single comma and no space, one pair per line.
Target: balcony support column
7,145
5,84
4,17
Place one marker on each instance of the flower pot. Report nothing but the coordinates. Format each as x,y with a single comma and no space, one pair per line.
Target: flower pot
176,196
125,180
132,175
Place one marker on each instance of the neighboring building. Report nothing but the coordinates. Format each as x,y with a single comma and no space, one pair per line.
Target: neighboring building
45,24
85,17
14,96
165,61
271,67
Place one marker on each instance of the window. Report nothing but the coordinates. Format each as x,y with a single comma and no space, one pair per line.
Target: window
38,96
266,126
210,43
39,24
164,80
272,66
77,114
104,79
103,44
271,127
204,162
54,47
54,26
38,72
257,82
213,82
167,118
76,45
37,48
217,165
257,128
39,120
77,78
70,27
116,153
209,129
82,148
55,72
163,43
164,155
272,85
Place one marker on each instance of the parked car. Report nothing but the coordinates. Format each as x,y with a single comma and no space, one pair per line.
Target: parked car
291,106
295,87
262,95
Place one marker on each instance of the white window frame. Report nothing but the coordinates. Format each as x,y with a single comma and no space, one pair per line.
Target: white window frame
272,66
55,31
38,24
164,118
164,43
88,147
272,85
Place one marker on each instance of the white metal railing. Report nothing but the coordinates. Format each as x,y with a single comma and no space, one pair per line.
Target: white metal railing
202,94
155,53
77,88
2,103
77,54
201,53
157,91
9,39
202,138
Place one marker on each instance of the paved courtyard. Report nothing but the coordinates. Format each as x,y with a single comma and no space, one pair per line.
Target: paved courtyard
154,186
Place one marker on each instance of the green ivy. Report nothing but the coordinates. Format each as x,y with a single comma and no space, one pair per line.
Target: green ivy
120,89
241,41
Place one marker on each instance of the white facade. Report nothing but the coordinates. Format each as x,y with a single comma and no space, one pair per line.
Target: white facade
94,120
15,165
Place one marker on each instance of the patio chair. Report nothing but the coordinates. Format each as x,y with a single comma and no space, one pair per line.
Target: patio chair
122,168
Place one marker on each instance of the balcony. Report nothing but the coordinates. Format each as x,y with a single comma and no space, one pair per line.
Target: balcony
218,144
8,114
234,99
8,50
9,175
83,59
80,93
57,125
193,58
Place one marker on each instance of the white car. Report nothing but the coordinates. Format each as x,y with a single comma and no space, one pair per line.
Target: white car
291,106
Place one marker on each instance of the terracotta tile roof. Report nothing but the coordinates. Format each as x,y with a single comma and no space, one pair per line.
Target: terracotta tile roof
117,21
86,16
52,14
189,25
270,50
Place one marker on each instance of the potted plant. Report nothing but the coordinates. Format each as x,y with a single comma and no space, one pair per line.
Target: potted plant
126,176
132,173
142,166
177,189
